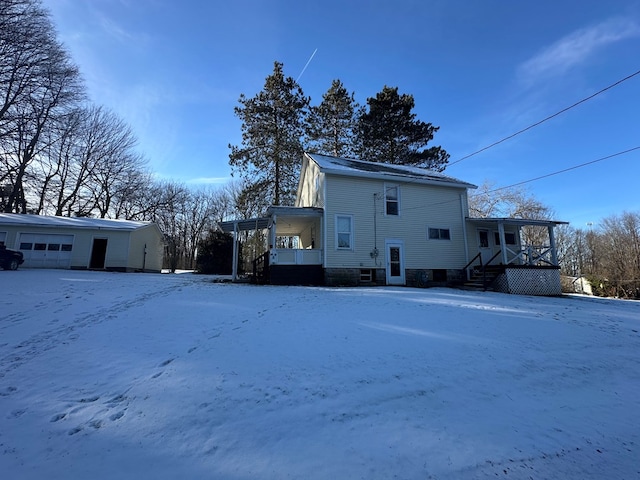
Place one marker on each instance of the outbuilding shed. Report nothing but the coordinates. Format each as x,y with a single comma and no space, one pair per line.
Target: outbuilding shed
83,243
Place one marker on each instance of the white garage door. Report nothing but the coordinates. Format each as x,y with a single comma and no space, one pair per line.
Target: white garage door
46,251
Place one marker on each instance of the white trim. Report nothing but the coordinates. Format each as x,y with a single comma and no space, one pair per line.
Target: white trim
436,227
389,243
352,246
388,186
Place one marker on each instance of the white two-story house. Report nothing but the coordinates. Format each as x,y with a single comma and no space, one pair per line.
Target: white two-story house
358,222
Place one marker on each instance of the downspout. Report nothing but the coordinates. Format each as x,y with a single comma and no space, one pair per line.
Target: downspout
375,253
464,229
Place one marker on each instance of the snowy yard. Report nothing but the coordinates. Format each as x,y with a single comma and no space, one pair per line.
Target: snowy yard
129,376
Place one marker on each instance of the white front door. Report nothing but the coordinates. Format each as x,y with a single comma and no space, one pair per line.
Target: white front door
395,262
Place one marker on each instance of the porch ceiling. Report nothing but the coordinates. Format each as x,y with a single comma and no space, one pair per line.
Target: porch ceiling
292,225
520,222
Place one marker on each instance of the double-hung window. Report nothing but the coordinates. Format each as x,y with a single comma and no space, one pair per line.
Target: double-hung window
439,234
392,199
344,232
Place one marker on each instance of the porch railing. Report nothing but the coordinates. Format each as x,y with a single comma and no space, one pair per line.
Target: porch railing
289,256
531,255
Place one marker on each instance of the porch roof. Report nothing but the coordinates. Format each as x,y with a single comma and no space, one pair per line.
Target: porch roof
294,217
519,222
258,223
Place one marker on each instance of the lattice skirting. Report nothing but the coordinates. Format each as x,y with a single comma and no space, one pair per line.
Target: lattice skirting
529,281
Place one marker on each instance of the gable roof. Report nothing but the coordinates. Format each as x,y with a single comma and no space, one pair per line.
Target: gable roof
383,171
20,219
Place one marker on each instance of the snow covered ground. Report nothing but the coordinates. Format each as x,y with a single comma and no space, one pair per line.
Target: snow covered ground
129,376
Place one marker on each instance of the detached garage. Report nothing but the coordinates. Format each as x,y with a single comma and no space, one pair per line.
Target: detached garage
83,243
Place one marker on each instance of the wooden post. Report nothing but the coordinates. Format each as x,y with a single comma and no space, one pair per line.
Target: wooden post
552,244
234,272
503,244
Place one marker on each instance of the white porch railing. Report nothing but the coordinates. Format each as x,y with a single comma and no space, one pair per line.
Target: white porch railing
289,256
531,255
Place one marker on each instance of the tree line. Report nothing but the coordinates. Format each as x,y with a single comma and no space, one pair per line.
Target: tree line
61,154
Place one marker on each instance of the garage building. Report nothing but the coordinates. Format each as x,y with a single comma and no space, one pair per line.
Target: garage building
83,243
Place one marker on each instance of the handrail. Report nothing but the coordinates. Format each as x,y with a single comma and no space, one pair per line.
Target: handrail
479,255
493,258
484,270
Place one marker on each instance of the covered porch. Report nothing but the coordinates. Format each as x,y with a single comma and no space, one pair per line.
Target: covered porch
513,255
291,249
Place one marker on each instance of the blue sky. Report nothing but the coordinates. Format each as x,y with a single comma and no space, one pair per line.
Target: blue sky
480,70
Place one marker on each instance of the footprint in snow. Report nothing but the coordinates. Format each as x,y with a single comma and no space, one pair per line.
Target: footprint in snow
117,416
57,417
167,362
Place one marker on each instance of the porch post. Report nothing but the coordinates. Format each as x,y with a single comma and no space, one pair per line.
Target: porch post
272,232
234,268
503,245
552,244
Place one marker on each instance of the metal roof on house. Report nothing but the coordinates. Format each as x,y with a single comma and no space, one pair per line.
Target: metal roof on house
19,219
361,168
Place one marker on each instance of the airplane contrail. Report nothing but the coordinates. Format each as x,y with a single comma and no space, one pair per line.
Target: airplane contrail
307,64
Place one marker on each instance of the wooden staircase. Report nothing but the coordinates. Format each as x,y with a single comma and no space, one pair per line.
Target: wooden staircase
482,277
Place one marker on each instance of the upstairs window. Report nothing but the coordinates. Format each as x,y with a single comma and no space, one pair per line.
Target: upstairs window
439,234
392,200
344,232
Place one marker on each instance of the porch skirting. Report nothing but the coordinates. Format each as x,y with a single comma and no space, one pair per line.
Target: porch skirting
523,280
295,275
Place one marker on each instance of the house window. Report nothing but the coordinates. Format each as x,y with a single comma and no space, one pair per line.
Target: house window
509,238
439,234
344,232
392,200
483,237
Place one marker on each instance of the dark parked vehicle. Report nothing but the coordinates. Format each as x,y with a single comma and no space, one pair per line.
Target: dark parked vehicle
10,259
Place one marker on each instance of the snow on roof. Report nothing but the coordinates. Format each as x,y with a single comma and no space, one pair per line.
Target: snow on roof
361,168
69,222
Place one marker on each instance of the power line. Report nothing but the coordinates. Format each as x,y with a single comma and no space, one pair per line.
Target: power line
546,119
566,169
557,172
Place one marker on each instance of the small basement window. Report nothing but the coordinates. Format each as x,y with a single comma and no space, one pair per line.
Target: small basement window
366,275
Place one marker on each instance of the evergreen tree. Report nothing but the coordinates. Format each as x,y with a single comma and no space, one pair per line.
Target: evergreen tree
389,132
333,124
272,127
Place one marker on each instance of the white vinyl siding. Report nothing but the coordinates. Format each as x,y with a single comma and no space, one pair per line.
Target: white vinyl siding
422,205
311,186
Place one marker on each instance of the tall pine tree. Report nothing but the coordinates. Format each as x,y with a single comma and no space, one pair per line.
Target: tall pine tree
272,128
332,125
389,132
